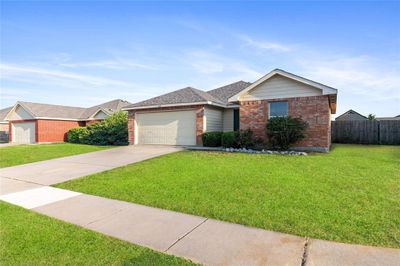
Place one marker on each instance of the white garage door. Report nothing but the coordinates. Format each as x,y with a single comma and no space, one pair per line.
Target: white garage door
170,128
23,132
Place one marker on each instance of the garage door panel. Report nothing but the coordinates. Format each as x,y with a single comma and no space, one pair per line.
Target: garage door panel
24,132
170,128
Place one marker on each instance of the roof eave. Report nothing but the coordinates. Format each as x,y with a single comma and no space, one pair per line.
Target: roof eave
173,105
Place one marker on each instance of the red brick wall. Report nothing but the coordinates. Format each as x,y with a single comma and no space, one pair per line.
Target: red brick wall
54,130
314,110
199,119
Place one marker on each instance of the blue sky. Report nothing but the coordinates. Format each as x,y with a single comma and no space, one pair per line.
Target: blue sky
84,53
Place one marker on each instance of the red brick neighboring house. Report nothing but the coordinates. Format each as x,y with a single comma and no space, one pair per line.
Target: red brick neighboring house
35,122
182,116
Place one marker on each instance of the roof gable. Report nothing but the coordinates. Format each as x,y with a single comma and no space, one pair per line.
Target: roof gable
19,112
353,115
325,89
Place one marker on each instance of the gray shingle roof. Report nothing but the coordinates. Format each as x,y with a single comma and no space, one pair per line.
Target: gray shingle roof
4,112
108,107
185,95
227,91
53,111
192,95
69,112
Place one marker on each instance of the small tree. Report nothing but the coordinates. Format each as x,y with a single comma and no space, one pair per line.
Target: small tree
285,131
371,117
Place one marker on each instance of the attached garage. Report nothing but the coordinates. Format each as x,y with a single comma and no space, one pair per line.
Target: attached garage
167,128
24,132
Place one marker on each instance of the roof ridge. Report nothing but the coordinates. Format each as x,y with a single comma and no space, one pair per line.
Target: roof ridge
69,106
230,84
205,92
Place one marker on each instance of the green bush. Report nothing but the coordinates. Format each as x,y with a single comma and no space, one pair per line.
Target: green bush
238,139
111,131
245,139
212,139
283,132
78,135
229,139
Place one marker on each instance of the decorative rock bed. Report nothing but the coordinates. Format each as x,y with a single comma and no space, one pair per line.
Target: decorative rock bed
244,150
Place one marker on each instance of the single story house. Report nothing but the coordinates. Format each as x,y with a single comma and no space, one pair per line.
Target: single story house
394,118
181,117
351,115
36,122
4,124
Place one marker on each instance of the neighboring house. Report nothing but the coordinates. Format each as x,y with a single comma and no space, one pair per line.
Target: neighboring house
350,115
36,122
4,124
182,116
388,118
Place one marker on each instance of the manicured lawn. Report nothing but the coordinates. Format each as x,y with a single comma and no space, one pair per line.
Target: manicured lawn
21,154
28,238
350,195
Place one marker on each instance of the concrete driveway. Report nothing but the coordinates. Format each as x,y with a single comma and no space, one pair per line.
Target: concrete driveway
62,169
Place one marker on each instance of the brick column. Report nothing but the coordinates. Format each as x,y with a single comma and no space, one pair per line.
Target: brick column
131,127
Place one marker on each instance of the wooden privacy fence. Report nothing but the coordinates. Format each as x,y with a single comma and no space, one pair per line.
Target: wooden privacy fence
366,132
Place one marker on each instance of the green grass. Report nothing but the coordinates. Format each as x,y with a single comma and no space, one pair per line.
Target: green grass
350,195
21,154
28,238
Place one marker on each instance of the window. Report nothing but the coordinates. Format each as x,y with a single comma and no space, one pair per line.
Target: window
278,109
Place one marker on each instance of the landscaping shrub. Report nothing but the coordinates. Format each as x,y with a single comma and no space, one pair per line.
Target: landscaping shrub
212,139
229,139
245,139
282,132
238,139
78,135
111,131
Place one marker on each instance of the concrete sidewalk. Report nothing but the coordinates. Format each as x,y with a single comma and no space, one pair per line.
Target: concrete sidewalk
199,239
66,168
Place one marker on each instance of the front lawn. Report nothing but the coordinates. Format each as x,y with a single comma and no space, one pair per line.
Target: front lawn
22,154
350,195
28,238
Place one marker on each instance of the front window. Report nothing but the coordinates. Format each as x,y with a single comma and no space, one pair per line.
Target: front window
278,109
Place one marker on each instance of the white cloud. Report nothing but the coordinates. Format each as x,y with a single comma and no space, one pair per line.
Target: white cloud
110,64
208,63
264,45
357,75
9,71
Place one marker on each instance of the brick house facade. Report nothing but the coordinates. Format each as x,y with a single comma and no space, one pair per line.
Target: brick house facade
241,103
314,110
38,123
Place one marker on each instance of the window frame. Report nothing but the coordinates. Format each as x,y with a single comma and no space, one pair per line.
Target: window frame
269,109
